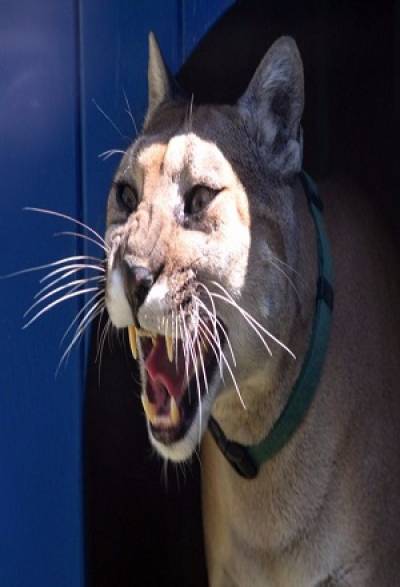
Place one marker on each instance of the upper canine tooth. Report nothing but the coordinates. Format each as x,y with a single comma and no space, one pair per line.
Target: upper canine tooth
174,413
133,340
149,408
169,344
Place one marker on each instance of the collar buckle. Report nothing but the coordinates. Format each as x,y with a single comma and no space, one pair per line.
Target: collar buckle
236,454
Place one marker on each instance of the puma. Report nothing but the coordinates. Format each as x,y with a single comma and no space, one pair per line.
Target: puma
212,266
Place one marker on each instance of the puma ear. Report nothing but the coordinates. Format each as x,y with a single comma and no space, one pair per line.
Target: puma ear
272,107
161,83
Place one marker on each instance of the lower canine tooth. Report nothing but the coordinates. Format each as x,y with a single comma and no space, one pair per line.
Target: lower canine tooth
132,340
149,408
169,344
174,412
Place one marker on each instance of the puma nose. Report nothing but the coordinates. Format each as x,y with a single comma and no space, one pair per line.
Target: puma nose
138,276
137,281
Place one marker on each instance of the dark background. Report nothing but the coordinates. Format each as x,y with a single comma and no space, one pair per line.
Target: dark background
141,528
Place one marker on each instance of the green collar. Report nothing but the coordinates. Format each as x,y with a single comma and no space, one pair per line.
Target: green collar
246,460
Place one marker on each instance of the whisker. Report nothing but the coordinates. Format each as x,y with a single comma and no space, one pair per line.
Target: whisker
83,236
111,336
176,339
198,342
180,472
106,324
248,320
76,266
104,336
176,325
109,153
61,278
58,289
81,311
189,114
49,285
230,371
231,301
283,272
203,368
84,323
58,301
66,217
216,348
129,112
197,453
98,329
214,310
183,330
289,267
164,471
194,361
221,326
45,266
120,338
213,314
115,127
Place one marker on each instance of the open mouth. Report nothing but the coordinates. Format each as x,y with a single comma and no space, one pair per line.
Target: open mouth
177,377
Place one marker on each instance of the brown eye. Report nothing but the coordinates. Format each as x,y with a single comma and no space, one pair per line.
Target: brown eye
198,198
127,197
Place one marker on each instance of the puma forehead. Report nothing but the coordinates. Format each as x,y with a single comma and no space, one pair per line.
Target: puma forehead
186,153
186,158
157,163
163,172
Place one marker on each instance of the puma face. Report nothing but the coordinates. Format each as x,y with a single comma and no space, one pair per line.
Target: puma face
182,234
178,223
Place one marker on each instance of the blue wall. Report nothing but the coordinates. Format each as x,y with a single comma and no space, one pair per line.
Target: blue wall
58,60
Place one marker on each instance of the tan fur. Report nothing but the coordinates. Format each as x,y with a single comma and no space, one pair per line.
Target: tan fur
328,505
325,510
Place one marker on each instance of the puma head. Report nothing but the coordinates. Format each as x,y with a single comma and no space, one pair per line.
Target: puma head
200,204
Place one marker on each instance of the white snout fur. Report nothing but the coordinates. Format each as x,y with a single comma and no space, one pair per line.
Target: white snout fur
155,308
117,303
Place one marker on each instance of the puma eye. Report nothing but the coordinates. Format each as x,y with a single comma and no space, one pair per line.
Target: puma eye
127,197
198,198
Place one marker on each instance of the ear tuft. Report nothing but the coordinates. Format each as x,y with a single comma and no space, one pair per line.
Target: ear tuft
272,107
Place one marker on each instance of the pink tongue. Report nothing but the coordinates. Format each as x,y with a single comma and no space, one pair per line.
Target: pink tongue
161,371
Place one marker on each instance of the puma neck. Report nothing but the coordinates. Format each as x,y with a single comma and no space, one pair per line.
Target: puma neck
266,391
